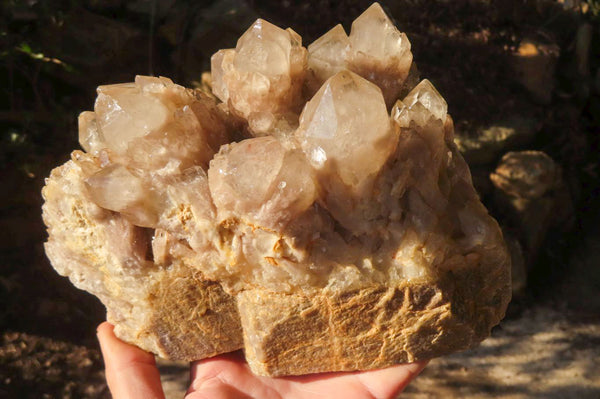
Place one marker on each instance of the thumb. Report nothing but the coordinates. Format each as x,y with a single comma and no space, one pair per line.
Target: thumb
131,373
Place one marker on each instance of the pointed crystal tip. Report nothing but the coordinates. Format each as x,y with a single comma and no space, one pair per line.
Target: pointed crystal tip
375,50
264,48
261,79
344,125
374,34
421,104
260,179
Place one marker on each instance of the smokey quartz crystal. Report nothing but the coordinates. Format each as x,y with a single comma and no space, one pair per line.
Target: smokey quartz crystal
318,174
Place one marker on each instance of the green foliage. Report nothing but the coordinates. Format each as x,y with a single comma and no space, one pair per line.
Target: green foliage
26,49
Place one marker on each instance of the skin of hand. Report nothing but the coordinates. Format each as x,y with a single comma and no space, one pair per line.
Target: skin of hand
131,373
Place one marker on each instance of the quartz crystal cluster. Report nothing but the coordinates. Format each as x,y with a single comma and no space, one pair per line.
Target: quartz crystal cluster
317,213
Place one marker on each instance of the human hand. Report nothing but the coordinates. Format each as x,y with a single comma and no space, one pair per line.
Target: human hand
131,373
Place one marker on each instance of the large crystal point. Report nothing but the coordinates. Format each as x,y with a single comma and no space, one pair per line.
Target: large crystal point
261,80
345,133
121,114
426,139
154,123
268,50
327,56
381,52
261,180
344,129
117,189
391,44
375,49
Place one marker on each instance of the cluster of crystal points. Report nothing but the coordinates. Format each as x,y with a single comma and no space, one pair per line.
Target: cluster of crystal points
343,171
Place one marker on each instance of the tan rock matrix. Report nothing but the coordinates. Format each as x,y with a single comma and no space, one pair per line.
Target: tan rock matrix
318,214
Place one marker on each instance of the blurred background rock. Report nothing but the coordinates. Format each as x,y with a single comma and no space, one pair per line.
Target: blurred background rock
522,81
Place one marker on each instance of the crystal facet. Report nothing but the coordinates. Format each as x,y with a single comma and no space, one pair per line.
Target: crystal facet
345,130
117,189
154,124
261,179
385,61
121,114
261,79
391,44
327,56
422,103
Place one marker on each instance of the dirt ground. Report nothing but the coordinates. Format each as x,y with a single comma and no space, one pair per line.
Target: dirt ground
54,53
550,350
543,354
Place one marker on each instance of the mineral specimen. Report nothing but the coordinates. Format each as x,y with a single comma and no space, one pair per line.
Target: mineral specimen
317,215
